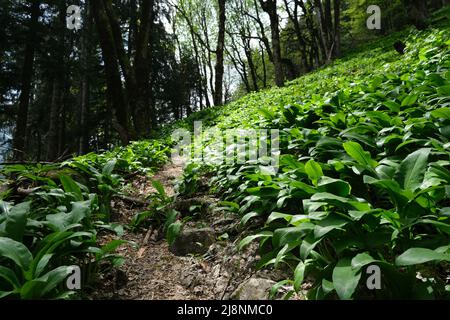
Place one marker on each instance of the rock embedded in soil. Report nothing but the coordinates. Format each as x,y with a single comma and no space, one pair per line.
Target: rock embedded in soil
253,289
193,241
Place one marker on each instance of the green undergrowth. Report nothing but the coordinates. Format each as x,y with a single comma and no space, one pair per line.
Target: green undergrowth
363,181
51,218
364,174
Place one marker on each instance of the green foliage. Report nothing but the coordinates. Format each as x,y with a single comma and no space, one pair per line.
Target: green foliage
363,178
56,225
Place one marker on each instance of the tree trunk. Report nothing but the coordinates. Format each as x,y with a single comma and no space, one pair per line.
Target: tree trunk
83,142
219,69
337,28
418,13
251,64
27,75
55,126
270,7
293,16
141,116
53,130
116,98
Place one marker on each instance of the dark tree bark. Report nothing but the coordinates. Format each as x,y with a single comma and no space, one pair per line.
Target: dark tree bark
238,63
262,31
83,143
337,28
251,64
317,46
55,126
219,69
418,13
27,75
53,131
294,17
270,7
141,115
116,97
263,62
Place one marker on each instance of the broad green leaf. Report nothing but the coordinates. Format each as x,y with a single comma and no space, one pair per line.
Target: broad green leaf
444,91
109,167
171,217
159,187
362,157
329,224
15,220
269,115
4,294
308,244
411,172
442,113
299,275
393,106
247,240
42,264
327,286
277,215
342,202
173,231
9,275
281,254
361,260
63,220
314,171
50,243
444,227
248,216
410,100
70,185
345,279
284,236
42,286
112,245
415,256
335,186
15,251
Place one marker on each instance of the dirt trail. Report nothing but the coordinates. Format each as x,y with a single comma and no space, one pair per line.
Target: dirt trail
152,272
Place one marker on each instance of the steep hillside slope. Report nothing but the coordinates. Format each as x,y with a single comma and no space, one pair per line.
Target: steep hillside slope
363,181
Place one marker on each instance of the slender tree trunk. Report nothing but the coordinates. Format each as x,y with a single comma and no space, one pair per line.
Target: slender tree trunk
263,62
219,68
328,21
53,130
293,16
251,64
116,98
55,126
142,116
83,143
418,13
133,28
27,75
337,28
270,7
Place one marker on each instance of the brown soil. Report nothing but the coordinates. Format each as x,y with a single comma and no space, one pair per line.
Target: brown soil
152,272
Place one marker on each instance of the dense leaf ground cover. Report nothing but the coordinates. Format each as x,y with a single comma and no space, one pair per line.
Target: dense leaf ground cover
364,180
51,217
364,172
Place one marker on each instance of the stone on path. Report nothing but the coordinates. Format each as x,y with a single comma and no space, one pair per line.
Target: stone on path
193,241
253,289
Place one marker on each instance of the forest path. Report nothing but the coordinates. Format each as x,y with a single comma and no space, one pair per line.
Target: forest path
152,272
